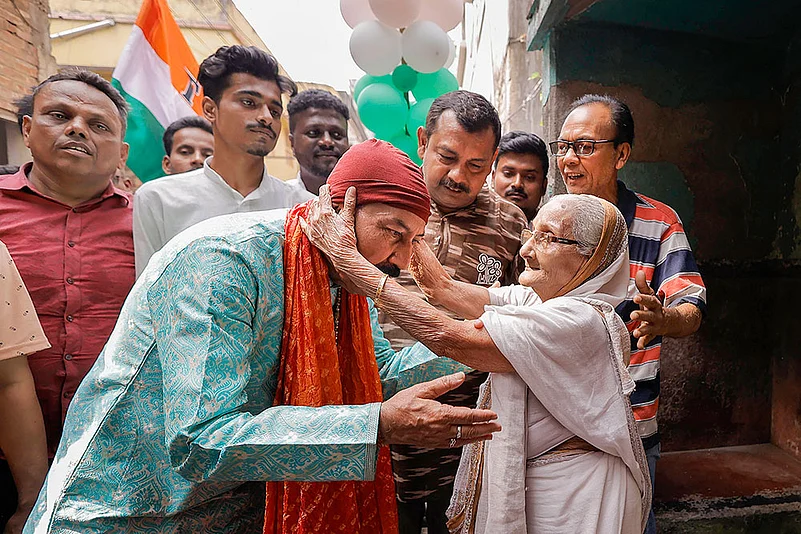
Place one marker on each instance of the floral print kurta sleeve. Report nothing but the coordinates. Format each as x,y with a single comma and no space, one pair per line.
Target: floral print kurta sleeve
209,328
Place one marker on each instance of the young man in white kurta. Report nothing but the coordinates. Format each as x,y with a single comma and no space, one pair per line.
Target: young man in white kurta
165,207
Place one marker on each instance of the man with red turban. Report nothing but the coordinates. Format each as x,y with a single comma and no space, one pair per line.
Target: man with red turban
237,359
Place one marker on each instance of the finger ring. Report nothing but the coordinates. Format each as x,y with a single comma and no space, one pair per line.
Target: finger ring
452,443
458,431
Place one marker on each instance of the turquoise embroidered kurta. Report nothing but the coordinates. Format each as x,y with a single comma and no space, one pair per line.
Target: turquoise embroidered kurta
174,424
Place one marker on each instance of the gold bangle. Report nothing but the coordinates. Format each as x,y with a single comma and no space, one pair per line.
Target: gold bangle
380,288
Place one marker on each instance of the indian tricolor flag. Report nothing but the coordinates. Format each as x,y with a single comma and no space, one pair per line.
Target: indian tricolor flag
157,75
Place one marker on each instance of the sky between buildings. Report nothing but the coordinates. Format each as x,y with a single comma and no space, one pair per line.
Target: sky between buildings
309,38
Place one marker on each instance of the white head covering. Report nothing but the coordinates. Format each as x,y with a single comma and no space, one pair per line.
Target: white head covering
605,276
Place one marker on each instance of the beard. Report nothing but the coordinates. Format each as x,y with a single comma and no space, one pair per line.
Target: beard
258,150
388,268
320,169
323,171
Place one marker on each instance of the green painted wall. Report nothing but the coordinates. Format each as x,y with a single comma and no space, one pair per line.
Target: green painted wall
788,239
671,68
733,20
708,117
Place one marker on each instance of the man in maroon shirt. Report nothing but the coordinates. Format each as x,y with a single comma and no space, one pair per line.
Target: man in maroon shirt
69,231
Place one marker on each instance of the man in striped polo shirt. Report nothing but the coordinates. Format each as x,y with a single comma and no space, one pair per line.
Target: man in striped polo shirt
666,296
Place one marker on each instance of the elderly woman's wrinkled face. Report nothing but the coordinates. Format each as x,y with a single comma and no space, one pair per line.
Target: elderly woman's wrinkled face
550,265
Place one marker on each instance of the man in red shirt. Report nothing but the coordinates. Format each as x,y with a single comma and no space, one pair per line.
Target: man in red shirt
70,230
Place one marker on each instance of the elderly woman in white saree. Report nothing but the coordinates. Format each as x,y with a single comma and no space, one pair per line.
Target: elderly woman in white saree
568,459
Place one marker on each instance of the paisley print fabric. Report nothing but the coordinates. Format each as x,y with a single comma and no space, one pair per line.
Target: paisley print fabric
174,429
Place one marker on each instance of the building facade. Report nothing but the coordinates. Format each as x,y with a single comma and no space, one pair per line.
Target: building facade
25,60
92,34
498,64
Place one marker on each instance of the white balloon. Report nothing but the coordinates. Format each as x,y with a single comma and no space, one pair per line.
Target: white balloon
425,46
451,53
446,13
375,48
355,11
396,13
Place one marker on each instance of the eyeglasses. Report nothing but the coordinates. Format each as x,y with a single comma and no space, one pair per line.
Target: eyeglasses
582,147
542,239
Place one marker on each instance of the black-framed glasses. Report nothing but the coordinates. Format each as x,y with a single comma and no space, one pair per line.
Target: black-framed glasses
543,239
582,147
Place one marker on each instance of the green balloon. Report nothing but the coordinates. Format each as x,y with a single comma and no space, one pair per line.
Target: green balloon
404,77
408,144
386,137
383,109
434,84
366,80
417,116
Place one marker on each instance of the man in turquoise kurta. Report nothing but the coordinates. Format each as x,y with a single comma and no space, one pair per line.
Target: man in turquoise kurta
172,426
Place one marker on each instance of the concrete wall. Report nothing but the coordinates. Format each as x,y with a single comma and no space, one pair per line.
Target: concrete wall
717,138
486,34
500,67
786,406
786,416
518,80
16,151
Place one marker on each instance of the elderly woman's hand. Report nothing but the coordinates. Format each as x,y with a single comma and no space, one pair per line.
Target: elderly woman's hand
429,274
334,235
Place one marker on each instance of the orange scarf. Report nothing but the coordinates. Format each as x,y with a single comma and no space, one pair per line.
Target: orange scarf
319,370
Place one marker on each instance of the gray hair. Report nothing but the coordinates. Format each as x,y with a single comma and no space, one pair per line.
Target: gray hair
587,222
587,225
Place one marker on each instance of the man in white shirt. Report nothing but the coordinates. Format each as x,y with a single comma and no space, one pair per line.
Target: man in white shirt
318,133
242,101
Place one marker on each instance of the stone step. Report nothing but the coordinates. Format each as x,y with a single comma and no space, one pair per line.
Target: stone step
750,489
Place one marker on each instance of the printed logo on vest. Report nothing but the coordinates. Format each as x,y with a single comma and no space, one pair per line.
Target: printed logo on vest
489,270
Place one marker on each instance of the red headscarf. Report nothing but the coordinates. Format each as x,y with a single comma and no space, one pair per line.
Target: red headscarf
381,173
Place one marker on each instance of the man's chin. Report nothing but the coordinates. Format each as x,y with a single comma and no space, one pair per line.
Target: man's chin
452,200
259,150
577,187
322,172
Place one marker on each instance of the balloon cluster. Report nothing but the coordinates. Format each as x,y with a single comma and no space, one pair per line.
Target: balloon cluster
403,47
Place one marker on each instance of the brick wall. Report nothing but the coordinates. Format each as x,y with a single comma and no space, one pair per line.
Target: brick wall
24,50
